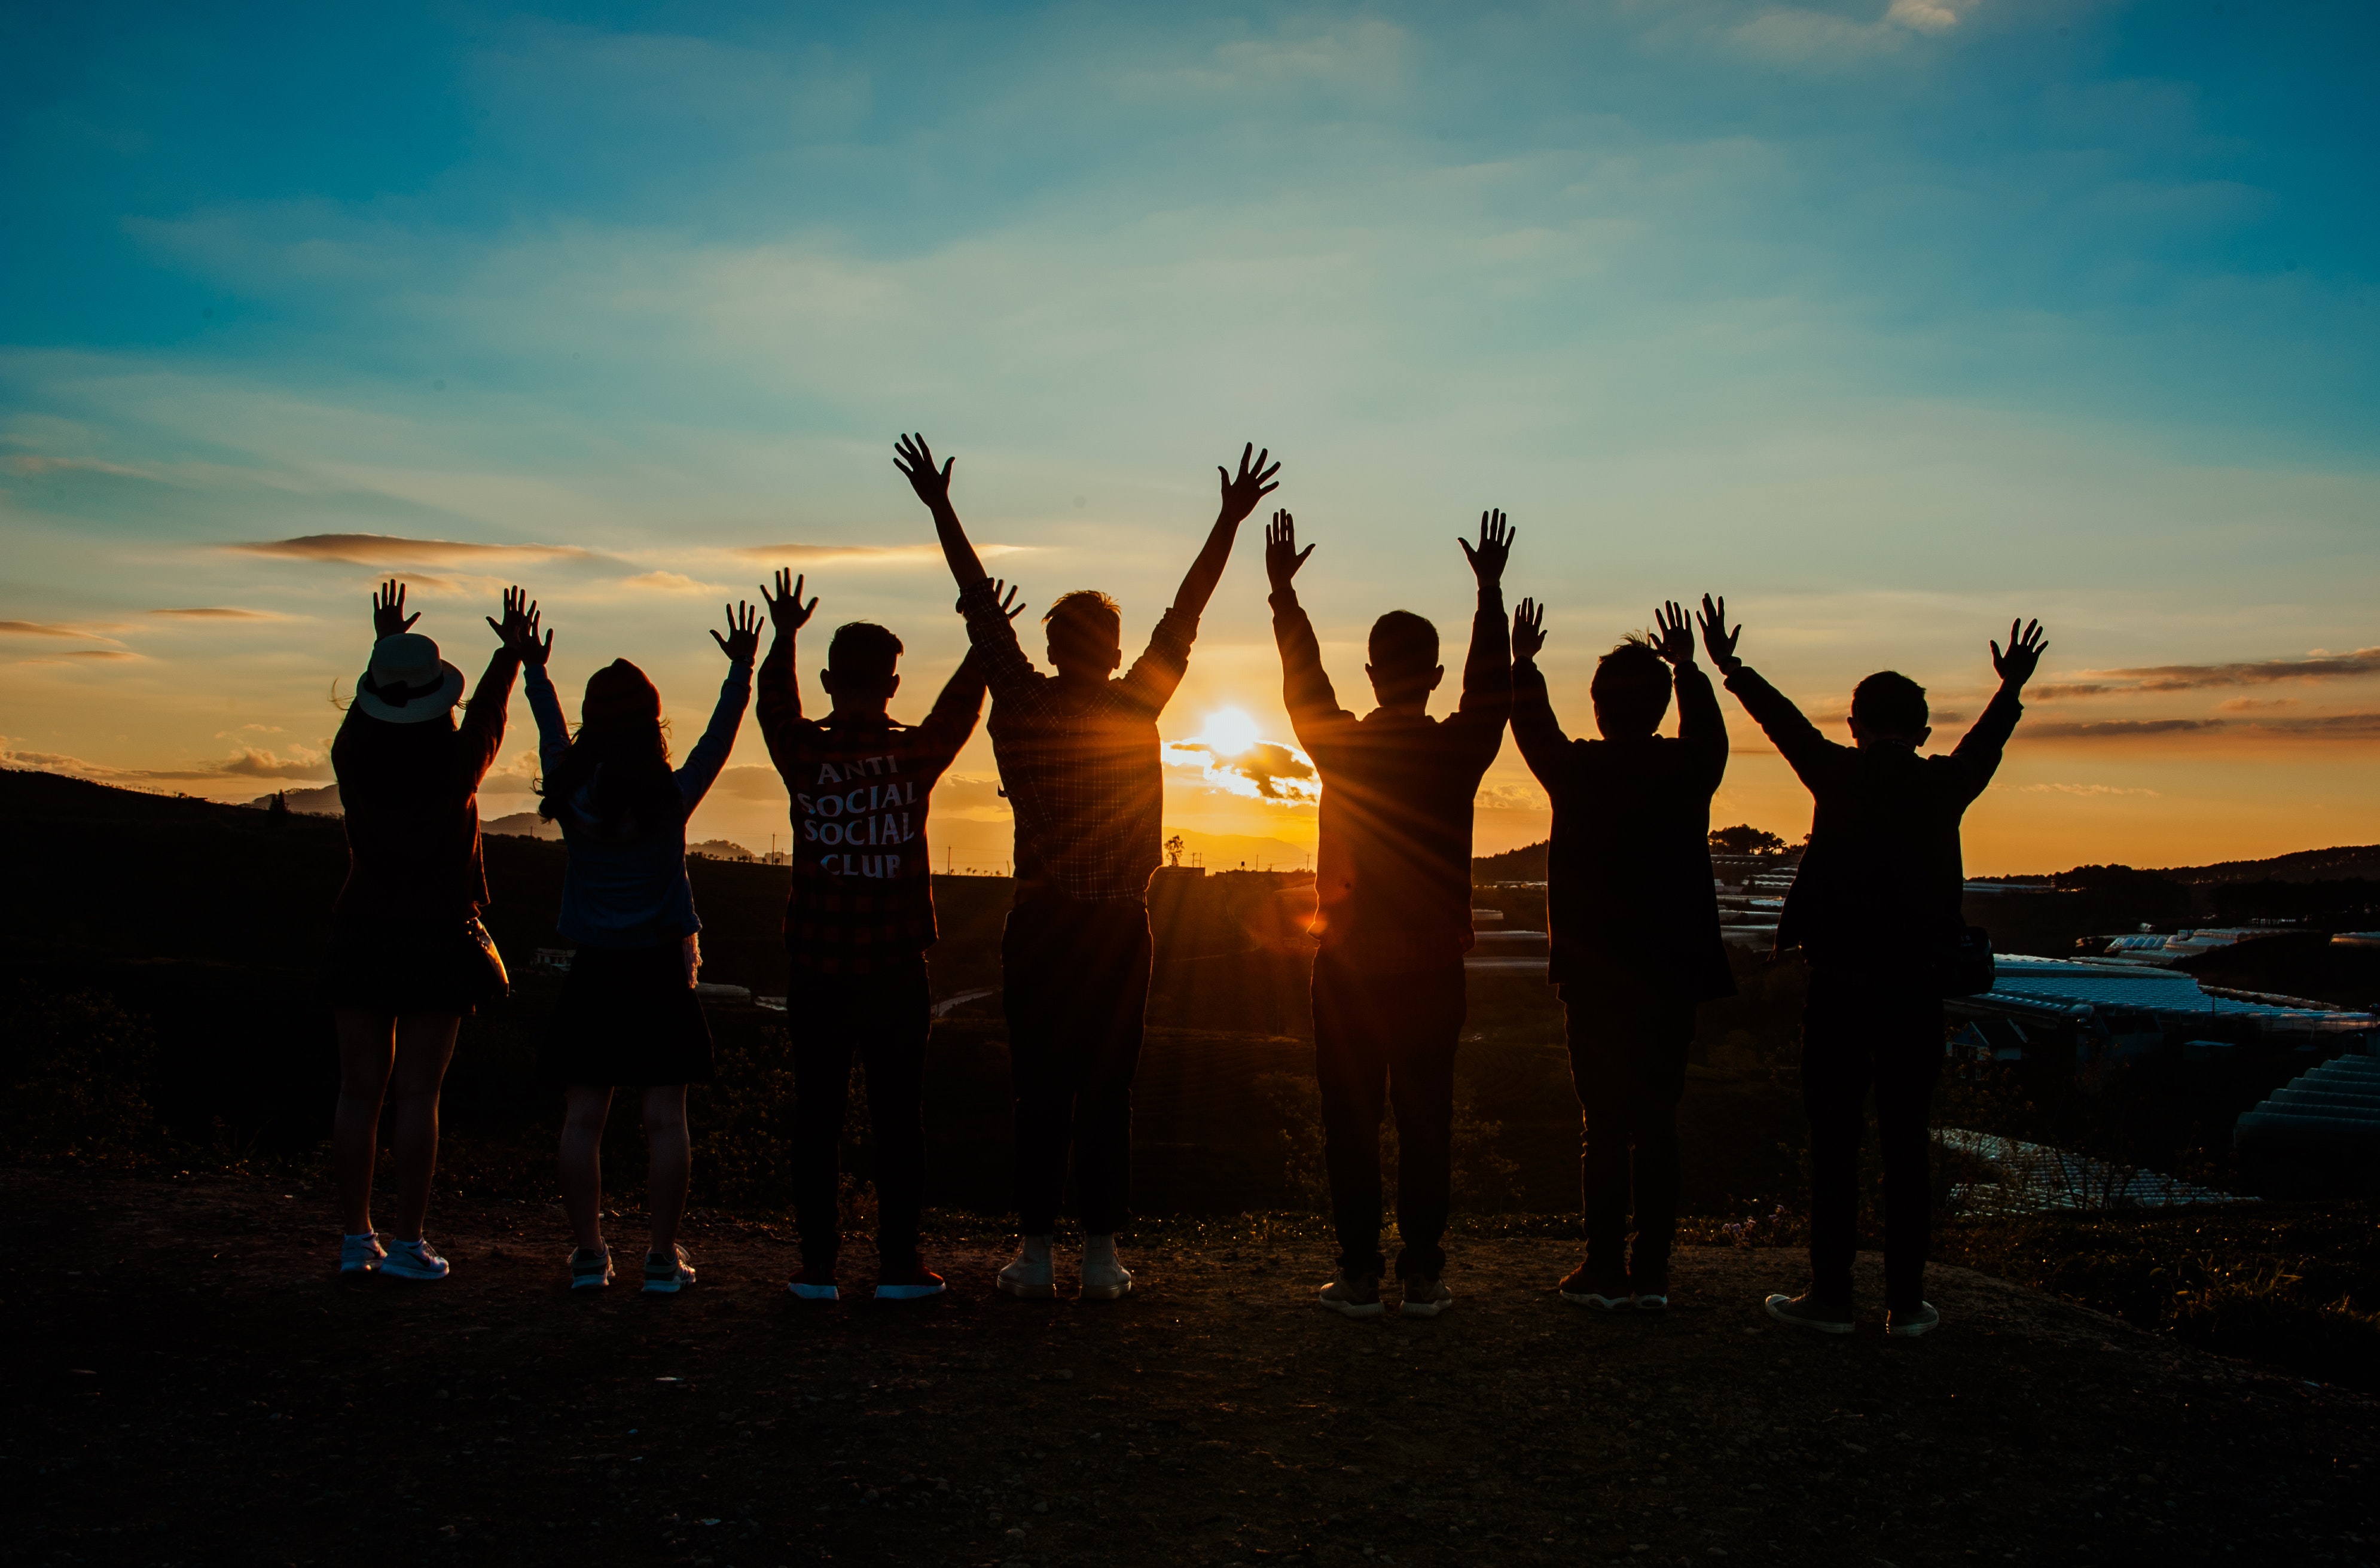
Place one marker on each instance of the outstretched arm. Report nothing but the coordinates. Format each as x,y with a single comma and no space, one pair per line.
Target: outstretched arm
780,698
1981,749
1488,670
916,461
1794,736
710,753
1241,493
1305,689
1701,729
1535,728
482,729
388,610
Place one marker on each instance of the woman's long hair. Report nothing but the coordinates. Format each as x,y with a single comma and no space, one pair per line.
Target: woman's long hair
622,750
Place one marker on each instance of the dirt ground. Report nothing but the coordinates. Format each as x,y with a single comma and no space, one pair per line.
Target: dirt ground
192,1383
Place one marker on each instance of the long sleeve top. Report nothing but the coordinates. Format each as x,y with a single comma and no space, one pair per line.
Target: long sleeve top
411,796
863,890
1881,879
1392,870
1630,880
1083,772
633,893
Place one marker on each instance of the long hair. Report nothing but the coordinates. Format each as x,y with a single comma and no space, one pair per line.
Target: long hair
622,750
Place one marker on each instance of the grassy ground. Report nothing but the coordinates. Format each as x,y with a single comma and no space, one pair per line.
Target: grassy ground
193,1384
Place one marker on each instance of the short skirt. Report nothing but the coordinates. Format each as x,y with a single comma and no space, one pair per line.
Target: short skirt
398,971
626,1018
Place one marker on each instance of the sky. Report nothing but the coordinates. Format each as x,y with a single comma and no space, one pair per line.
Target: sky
1889,321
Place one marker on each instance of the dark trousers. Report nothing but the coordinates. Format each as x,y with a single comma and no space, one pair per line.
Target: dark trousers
883,1019
1628,1044
1381,1039
1863,1031
1075,988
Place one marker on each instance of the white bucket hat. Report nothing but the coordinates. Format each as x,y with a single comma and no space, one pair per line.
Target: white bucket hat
407,682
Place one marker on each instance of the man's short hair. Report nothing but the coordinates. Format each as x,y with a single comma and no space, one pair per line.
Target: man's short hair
1631,684
1086,613
1403,644
1890,700
863,649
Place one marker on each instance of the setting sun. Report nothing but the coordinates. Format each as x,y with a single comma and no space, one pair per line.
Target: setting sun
1229,730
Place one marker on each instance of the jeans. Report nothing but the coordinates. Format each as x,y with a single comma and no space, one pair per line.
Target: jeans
1628,1044
1077,987
1386,1039
1862,1030
883,1019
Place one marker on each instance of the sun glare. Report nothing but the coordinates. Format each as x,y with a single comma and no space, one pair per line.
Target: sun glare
1230,732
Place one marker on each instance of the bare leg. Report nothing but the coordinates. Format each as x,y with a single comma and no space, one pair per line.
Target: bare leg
584,1107
671,1156
425,1044
365,1049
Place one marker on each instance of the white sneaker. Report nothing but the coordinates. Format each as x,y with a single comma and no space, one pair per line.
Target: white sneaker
413,1261
1105,1280
361,1253
590,1270
1031,1276
667,1276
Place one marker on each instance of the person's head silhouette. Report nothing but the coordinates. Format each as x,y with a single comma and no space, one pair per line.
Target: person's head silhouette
860,669
1630,690
1086,635
1888,712
1403,667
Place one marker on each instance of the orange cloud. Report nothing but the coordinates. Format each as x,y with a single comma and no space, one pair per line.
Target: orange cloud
390,550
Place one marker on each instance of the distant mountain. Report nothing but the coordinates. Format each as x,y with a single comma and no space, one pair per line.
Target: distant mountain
522,824
721,849
1526,863
322,802
2305,866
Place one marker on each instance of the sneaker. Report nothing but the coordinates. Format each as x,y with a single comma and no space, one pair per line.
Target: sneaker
590,1270
908,1281
815,1284
1606,1294
1029,1279
1805,1312
1352,1296
413,1261
1427,1298
1106,1280
1651,1292
361,1253
1909,1325
667,1276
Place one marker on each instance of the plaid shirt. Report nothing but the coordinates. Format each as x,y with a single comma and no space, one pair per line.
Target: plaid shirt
1083,776
863,891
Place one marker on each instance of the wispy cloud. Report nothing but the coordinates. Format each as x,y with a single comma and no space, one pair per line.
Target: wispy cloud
2082,789
42,628
219,612
1263,771
2199,678
390,550
2311,726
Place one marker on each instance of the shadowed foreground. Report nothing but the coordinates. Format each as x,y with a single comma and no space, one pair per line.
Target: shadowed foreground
191,1383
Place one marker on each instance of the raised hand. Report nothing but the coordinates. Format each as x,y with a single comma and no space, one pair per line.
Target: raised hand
1282,557
1253,484
1528,630
916,459
388,610
1677,636
2023,656
1495,549
743,638
1005,597
518,630
786,611
1717,639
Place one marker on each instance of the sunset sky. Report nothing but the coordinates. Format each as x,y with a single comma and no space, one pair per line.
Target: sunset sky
1891,320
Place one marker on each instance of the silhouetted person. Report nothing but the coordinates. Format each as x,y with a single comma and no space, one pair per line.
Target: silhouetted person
1634,926
408,957
858,920
1876,909
628,1012
1392,875
1078,756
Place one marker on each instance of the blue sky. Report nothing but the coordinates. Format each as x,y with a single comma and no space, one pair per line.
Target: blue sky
1889,320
